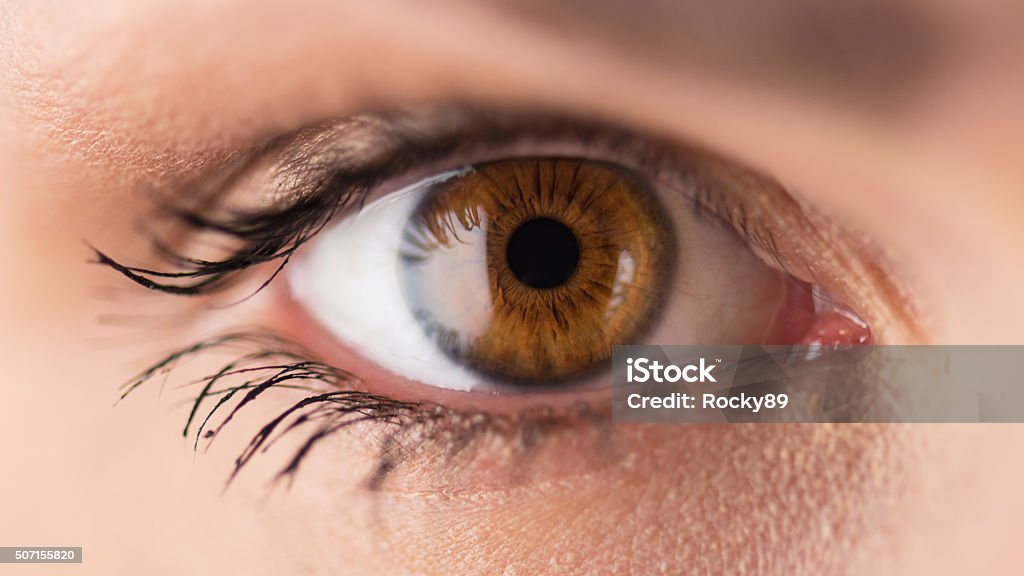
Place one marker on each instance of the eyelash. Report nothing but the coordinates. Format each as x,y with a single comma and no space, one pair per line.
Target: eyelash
333,402
333,405
265,237
275,234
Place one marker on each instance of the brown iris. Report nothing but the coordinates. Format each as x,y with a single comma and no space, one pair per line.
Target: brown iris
530,269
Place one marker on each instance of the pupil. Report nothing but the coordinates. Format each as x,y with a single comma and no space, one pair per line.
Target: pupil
543,253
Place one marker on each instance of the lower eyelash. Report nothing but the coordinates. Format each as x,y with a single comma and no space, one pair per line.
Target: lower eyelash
263,361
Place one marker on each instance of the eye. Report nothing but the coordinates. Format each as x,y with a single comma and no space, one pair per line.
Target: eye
522,273
457,277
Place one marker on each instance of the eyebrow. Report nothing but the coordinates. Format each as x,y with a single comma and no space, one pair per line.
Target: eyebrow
866,51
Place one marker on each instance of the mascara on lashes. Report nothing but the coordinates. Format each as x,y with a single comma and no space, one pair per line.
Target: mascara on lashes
262,362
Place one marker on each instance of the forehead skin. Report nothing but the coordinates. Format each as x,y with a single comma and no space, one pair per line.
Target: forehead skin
100,95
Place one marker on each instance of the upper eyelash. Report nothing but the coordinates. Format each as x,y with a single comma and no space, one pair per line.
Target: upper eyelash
264,236
275,234
333,404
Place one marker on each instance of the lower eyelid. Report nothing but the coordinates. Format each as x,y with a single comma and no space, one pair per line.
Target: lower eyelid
441,448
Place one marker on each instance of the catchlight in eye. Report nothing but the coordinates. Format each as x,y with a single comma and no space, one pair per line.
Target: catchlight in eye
571,256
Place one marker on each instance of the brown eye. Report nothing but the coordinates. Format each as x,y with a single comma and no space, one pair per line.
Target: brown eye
523,273
576,256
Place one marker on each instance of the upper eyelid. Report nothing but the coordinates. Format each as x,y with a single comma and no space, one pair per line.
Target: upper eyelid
291,186
373,142
296,184
359,146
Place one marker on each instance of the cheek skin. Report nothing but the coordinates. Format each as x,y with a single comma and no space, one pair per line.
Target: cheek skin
645,499
740,500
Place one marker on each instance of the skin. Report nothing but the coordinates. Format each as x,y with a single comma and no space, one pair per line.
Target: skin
101,100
